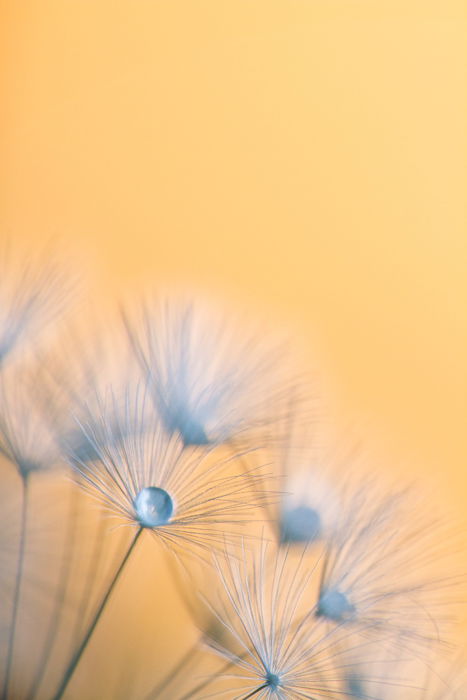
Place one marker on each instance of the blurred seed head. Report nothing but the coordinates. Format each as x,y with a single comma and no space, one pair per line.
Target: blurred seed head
33,294
211,380
381,568
27,435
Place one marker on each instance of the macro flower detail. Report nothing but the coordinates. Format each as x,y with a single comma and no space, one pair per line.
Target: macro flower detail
144,476
334,605
153,507
210,384
280,649
382,576
33,293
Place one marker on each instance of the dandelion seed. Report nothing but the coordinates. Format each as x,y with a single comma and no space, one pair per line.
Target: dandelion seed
32,295
283,650
310,507
27,437
334,605
76,374
378,570
209,385
146,478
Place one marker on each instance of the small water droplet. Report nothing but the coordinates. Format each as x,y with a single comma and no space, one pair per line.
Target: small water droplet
153,506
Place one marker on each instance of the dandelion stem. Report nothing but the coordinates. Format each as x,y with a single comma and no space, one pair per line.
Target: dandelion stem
206,682
255,692
78,654
62,587
18,582
173,673
89,579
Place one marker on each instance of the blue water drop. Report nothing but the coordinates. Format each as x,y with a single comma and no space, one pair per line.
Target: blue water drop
153,507
334,605
300,524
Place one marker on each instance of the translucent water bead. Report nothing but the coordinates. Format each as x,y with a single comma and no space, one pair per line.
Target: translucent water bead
153,507
300,524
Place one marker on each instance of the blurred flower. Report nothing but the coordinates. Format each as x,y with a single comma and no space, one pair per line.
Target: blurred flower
380,569
210,382
81,367
33,293
310,506
27,436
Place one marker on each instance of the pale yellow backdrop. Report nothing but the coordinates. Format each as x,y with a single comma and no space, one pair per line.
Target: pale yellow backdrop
305,156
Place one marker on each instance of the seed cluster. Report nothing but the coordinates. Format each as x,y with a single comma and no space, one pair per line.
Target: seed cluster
179,436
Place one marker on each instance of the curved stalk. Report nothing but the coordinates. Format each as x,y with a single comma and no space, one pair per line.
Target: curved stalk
173,673
63,583
78,654
18,585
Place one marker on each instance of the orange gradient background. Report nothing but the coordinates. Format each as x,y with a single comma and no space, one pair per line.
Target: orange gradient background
306,157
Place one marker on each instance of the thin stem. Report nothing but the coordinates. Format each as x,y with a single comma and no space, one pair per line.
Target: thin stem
155,692
18,586
255,692
62,588
78,654
89,579
206,682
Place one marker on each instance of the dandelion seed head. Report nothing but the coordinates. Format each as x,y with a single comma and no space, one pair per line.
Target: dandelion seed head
153,507
273,680
335,605
310,506
280,648
381,568
300,524
190,427
33,294
211,381
145,476
27,433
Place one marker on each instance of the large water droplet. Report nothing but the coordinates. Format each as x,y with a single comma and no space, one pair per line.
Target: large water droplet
153,507
300,524
334,605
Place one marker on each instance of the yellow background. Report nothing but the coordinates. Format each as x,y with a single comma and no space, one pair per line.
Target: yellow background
304,156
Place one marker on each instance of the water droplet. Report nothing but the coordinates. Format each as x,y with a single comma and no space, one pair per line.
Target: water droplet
153,507
300,524
335,606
